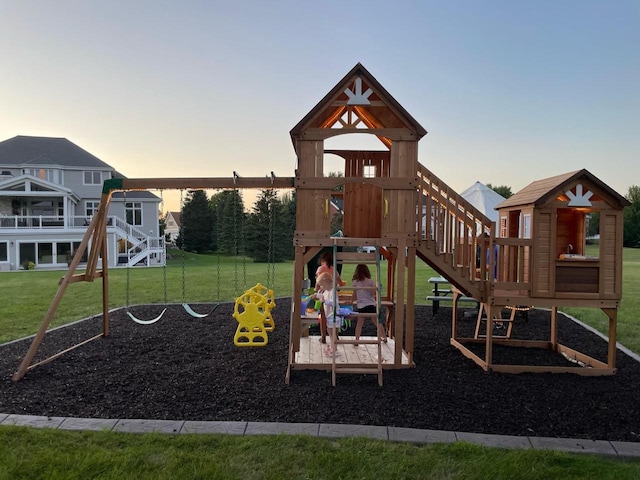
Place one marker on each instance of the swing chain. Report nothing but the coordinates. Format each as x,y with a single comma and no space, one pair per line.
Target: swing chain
271,274
164,254
182,253
126,244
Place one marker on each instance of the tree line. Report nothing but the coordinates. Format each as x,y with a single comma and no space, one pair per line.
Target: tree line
221,224
265,233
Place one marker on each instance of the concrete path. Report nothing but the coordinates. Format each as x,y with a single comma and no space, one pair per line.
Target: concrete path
394,434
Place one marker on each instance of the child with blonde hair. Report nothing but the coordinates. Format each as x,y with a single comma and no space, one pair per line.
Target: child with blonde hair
326,293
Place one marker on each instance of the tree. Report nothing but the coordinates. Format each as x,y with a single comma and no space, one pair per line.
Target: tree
289,223
266,235
228,209
196,232
631,214
503,190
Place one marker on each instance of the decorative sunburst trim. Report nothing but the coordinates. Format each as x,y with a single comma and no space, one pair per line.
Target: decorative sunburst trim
358,97
579,199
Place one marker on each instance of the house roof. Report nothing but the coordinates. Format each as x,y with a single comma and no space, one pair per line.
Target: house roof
41,151
540,191
139,194
176,217
386,112
37,187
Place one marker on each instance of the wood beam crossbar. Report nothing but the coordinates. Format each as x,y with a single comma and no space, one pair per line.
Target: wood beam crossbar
199,183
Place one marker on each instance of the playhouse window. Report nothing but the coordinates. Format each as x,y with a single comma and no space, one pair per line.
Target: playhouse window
503,227
369,171
526,226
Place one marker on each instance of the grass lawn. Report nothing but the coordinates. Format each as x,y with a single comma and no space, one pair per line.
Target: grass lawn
28,453
33,453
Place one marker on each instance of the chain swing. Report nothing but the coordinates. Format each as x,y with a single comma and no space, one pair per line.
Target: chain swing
238,237
271,264
185,305
164,273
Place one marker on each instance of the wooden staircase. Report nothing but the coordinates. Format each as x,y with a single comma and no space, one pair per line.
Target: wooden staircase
372,258
454,236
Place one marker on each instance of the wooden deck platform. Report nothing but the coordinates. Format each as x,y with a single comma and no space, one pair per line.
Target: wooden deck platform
311,354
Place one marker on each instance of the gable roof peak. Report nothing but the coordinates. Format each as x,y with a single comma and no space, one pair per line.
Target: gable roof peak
28,150
382,109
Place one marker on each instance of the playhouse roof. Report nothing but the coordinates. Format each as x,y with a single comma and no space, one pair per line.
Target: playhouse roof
484,199
540,191
378,107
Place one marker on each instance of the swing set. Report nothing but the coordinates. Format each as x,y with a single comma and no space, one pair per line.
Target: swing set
95,242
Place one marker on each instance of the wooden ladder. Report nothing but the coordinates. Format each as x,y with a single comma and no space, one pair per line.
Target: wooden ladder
362,368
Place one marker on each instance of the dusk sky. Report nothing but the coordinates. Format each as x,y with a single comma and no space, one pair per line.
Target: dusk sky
509,91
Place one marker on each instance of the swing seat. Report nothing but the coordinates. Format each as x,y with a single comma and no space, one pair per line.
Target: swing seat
146,322
195,314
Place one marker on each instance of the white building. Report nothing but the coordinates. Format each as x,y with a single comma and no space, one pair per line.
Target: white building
49,190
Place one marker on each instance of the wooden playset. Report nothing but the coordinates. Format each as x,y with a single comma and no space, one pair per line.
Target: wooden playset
406,214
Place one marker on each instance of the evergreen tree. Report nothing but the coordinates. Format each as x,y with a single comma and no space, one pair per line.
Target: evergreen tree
228,209
266,234
632,218
288,224
197,223
503,190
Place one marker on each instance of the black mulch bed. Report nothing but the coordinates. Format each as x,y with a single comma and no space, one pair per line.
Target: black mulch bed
187,368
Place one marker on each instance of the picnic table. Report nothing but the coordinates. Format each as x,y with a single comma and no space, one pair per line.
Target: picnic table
438,292
442,290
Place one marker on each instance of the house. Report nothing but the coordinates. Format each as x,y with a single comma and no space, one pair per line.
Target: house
172,226
49,190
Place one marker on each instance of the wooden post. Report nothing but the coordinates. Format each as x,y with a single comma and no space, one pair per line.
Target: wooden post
554,329
411,294
105,281
488,353
612,313
64,283
399,321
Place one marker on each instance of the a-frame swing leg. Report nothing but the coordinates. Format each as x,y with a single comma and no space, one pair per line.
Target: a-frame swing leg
64,283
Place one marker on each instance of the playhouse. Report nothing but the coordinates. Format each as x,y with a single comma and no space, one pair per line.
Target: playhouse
404,214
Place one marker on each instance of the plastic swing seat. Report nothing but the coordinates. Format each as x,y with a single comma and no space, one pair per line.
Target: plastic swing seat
146,322
195,314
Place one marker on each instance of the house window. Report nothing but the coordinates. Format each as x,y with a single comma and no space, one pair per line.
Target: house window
93,178
91,208
133,211
85,255
4,252
63,252
45,253
53,176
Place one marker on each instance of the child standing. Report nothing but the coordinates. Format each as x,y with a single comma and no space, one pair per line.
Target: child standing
364,297
326,266
326,293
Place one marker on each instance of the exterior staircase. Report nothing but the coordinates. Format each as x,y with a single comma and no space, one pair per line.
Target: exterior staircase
142,248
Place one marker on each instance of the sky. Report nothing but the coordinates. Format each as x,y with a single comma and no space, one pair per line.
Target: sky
509,91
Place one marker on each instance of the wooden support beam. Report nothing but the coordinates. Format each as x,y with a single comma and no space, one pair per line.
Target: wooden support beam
196,183
37,340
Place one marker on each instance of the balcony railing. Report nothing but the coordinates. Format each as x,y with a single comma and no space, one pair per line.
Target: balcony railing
38,222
